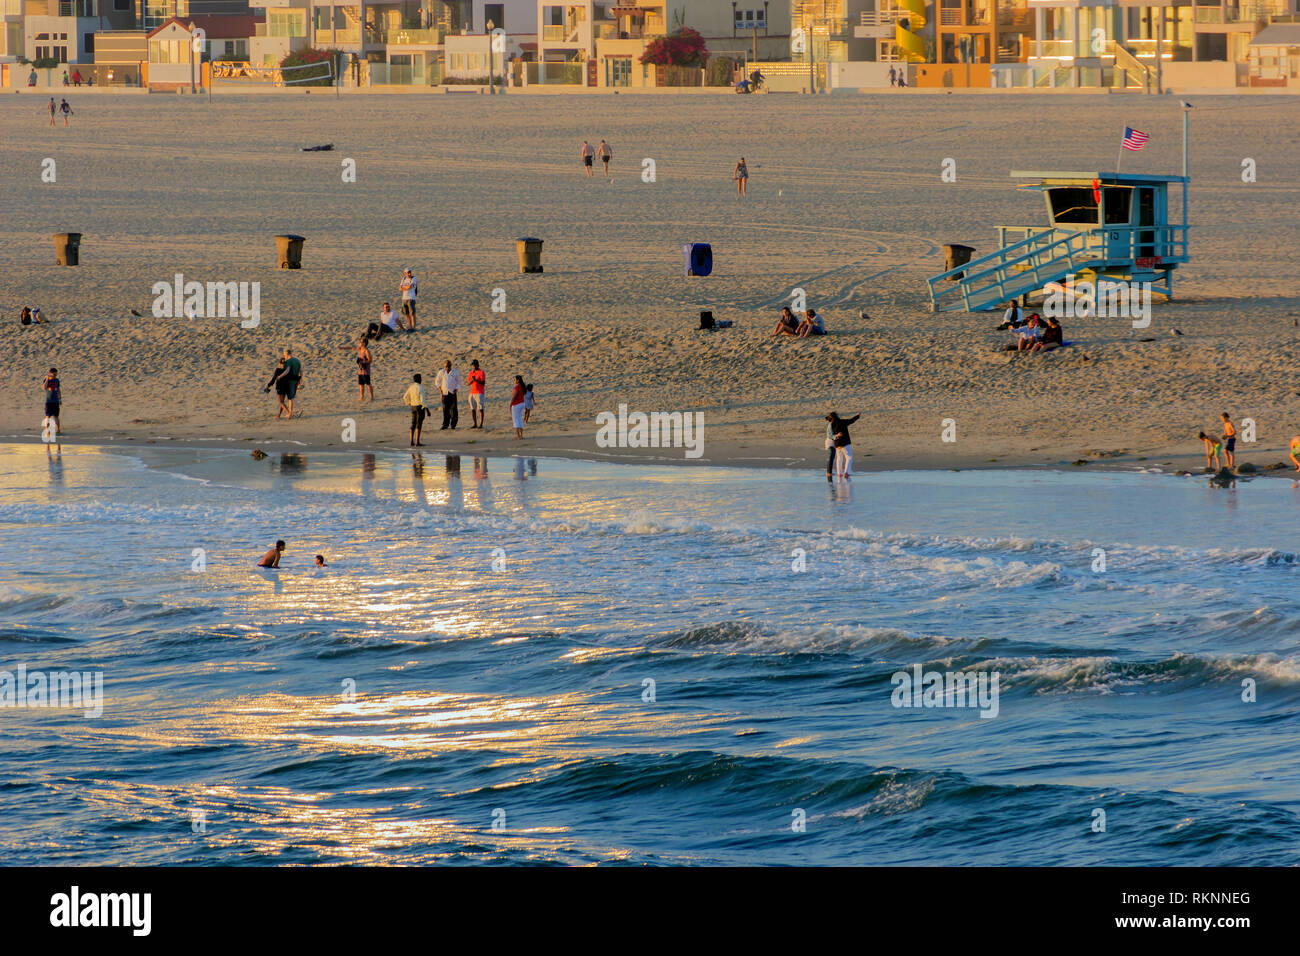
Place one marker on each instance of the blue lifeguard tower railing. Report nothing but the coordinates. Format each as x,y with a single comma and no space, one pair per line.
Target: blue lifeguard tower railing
1103,226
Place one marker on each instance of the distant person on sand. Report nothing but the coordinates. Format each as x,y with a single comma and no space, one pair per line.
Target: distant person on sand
1229,441
30,316
1029,334
477,394
286,382
588,156
1212,448
1011,319
843,443
409,289
893,76
53,109
1053,337
364,359
741,176
414,397
517,406
66,110
811,325
53,397
272,558
389,321
529,402
605,154
787,324
449,383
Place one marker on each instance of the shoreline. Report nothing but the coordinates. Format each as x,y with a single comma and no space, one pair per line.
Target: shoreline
555,447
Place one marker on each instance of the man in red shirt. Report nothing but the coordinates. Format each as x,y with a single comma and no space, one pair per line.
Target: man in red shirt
477,389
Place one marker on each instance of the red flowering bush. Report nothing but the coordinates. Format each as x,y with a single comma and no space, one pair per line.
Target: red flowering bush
684,48
311,55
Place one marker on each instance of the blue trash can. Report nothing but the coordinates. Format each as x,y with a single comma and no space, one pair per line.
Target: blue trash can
699,258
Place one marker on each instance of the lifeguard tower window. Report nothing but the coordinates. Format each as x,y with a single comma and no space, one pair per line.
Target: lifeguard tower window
1073,204
1118,205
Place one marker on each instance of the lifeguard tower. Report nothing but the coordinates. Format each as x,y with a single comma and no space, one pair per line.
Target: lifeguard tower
1109,226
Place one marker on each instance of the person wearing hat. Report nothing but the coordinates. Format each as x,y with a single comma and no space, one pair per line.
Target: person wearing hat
409,289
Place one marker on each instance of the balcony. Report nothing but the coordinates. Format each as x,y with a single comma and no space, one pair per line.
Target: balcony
407,37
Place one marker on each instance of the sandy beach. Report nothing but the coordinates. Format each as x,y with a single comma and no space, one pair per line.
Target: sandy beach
851,208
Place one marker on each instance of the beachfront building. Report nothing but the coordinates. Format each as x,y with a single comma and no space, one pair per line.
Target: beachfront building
744,30
1275,56
598,44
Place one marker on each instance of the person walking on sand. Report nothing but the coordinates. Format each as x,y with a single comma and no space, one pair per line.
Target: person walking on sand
517,406
66,110
53,397
286,384
53,109
409,289
605,154
893,77
415,399
1229,441
741,175
477,394
449,383
843,443
588,156
272,558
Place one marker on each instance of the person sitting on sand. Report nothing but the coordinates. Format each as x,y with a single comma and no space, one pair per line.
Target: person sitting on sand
25,317
272,558
1011,319
1212,448
1053,337
1029,333
388,321
811,325
787,324
1229,441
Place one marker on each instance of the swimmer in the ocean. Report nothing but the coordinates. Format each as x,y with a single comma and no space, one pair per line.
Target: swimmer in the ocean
320,561
272,558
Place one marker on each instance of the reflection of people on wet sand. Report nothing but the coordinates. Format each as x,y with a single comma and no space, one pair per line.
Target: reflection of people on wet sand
272,558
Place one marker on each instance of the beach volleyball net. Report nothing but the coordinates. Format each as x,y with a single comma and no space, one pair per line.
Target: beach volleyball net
320,74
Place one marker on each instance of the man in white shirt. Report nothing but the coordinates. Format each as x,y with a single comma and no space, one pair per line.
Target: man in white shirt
415,399
389,321
449,382
409,289
1011,319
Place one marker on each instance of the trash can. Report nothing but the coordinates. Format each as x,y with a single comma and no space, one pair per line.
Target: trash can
67,248
699,258
530,254
955,255
289,251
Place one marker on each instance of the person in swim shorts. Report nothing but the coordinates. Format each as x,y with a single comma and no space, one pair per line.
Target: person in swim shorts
588,156
477,394
1229,440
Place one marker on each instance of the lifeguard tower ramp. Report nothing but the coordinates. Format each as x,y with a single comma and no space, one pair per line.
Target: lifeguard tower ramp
1112,226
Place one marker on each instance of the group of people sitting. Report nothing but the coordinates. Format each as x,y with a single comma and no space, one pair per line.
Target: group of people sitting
31,316
788,325
1034,334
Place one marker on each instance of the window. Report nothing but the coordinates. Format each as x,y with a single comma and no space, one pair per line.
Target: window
1119,202
496,12
1073,204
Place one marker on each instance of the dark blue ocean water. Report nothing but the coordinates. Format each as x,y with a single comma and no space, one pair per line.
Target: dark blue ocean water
520,661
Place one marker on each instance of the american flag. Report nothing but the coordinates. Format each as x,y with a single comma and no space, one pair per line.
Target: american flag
1134,139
